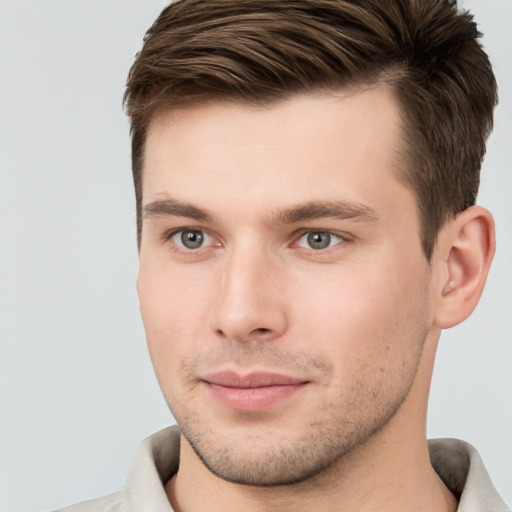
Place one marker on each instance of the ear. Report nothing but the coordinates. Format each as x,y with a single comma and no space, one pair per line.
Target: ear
463,255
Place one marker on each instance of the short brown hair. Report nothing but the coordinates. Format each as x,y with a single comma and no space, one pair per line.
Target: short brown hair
263,51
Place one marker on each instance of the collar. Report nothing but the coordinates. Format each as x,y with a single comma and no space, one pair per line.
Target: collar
456,462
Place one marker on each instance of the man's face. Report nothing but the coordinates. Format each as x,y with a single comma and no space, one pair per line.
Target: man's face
282,283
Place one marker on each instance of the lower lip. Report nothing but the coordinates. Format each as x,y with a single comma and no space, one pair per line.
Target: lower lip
252,399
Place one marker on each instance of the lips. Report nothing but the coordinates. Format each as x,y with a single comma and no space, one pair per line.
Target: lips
253,392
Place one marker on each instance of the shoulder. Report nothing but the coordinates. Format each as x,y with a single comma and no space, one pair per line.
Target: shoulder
155,462
109,503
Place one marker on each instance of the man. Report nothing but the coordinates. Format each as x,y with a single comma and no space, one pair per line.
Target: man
306,175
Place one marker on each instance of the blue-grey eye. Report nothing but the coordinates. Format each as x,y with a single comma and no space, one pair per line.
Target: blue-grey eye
318,240
191,238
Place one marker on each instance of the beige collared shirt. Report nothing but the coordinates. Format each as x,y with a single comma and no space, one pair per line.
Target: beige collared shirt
157,459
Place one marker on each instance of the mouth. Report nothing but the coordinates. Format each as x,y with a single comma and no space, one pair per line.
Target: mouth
253,392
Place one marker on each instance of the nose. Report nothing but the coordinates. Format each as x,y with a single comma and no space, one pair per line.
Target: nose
249,305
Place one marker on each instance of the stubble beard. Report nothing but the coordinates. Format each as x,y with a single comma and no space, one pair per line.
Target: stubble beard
306,458
263,460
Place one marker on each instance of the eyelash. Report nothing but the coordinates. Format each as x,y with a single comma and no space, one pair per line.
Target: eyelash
167,237
345,238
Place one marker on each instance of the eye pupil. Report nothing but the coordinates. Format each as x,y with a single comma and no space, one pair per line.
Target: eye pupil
318,240
192,239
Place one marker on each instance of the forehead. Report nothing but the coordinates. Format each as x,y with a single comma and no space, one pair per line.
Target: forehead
311,146
367,102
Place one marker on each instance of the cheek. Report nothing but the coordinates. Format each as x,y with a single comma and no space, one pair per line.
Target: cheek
173,311
364,318
170,295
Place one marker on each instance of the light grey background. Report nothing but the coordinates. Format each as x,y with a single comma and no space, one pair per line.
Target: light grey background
77,390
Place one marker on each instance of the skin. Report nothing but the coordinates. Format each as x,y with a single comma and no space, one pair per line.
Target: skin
356,322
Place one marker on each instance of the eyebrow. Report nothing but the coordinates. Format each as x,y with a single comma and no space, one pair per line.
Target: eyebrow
324,209
303,212
173,207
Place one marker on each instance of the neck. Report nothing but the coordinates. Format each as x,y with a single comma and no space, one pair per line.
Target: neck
391,476
391,471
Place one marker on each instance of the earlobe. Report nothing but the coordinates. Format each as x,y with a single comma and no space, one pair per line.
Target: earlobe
466,248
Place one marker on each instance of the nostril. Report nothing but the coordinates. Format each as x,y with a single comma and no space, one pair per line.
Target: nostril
260,330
